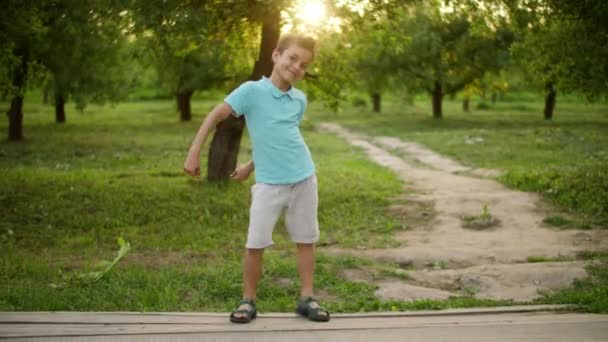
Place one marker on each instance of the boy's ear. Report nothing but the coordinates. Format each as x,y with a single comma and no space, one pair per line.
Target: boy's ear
275,55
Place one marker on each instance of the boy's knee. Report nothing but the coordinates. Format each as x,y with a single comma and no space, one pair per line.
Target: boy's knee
255,251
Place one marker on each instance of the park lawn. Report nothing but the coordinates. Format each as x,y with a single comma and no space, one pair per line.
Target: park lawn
69,191
566,160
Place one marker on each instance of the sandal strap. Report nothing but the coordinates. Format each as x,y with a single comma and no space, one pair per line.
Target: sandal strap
247,301
308,300
248,311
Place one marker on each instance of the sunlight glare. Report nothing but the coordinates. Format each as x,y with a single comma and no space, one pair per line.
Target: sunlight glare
311,12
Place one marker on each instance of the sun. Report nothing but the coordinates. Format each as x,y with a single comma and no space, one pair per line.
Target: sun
310,12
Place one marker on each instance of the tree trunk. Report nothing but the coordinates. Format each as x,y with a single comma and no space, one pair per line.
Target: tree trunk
437,101
465,104
550,100
376,99
494,96
226,142
15,118
15,112
59,108
183,104
45,94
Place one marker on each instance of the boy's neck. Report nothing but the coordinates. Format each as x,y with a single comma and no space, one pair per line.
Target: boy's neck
279,82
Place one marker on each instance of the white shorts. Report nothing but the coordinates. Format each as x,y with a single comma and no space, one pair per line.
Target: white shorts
268,203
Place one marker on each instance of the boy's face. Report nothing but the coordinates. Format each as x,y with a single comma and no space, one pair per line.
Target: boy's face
291,64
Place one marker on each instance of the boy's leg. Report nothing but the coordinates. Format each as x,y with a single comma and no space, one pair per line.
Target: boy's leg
306,267
302,224
252,271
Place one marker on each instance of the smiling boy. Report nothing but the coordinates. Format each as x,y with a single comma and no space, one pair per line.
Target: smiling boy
284,170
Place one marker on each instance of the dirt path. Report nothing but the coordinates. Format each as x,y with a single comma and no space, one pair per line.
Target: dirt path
448,259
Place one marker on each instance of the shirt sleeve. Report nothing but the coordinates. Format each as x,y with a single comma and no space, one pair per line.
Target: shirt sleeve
303,105
238,99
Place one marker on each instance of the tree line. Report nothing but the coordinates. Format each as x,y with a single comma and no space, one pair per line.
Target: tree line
97,50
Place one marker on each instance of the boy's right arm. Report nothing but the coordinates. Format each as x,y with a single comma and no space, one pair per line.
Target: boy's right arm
192,165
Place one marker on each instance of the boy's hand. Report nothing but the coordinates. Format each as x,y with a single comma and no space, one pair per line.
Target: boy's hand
241,173
192,165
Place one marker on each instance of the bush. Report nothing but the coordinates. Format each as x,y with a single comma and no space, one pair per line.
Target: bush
583,188
483,105
358,101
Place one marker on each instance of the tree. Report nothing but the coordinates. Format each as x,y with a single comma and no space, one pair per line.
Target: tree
224,147
21,31
70,40
194,45
371,60
441,53
267,15
84,52
563,46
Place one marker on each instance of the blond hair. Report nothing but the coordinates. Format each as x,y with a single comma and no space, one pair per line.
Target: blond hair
289,39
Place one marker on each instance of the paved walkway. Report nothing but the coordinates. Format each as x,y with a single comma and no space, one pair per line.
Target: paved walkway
518,323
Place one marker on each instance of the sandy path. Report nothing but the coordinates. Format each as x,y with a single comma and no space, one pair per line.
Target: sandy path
451,260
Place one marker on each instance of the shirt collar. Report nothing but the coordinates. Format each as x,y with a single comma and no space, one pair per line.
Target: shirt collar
276,92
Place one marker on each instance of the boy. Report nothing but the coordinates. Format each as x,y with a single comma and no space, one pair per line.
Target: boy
285,173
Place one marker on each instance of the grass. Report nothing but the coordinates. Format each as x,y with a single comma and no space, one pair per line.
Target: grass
68,191
564,159
542,258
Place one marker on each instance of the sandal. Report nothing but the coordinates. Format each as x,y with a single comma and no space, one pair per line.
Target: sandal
250,312
309,307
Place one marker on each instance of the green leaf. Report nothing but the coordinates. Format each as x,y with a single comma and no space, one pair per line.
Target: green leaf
103,264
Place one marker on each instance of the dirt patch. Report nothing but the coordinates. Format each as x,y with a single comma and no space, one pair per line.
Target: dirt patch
392,290
439,243
519,282
151,260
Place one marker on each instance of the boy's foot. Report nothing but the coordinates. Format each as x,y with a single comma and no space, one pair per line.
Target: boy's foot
245,312
309,307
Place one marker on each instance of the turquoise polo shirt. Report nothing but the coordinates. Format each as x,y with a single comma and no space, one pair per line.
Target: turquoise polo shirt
273,118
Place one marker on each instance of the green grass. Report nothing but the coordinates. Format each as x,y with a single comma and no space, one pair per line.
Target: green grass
542,258
68,191
564,159
589,294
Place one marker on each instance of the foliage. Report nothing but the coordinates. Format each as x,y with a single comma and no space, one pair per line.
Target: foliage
22,30
103,267
71,40
583,188
453,48
565,42
482,221
331,74
192,45
85,51
590,294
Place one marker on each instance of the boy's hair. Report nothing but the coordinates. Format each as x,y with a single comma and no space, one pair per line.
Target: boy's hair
289,39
